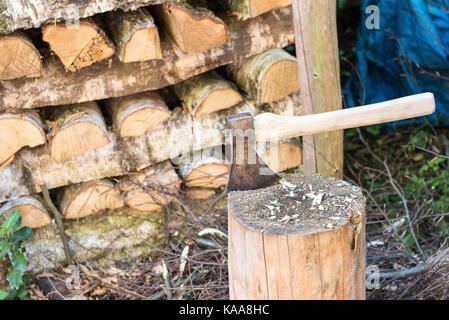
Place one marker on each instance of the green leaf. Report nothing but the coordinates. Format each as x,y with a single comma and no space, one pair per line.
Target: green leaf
4,248
14,278
3,295
21,234
19,260
12,222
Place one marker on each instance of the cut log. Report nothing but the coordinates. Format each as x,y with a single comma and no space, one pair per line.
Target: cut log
151,188
192,29
85,199
104,80
78,46
135,35
313,247
200,193
281,155
18,130
19,57
136,114
208,93
75,130
32,210
177,136
206,169
246,9
266,77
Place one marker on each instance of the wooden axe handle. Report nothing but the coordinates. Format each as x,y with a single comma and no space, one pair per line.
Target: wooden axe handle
271,127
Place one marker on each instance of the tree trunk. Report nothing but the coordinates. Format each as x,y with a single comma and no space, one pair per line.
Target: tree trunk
19,57
134,115
85,199
78,46
18,130
266,77
281,155
135,35
32,210
311,246
318,65
208,93
104,80
76,130
192,29
152,188
247,9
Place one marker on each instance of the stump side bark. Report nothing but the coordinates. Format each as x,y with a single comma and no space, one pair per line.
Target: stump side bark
317,254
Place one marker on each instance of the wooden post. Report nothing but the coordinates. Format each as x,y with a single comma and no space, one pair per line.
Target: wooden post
319,80
301,239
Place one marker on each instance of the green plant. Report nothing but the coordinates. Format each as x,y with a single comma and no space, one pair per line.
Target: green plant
12,236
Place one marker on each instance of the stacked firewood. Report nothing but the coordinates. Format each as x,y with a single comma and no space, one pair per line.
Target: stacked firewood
128,107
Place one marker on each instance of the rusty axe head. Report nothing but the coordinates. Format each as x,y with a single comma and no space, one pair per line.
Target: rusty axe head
248,171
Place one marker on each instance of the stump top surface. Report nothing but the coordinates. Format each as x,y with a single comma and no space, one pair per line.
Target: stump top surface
302,205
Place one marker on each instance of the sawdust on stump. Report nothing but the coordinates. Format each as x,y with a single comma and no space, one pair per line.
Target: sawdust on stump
299,205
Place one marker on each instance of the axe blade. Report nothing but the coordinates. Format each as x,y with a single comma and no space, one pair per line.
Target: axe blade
248,171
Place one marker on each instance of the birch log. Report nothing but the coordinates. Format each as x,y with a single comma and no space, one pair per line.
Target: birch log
247,9
135,35
18,130
192,29
313,247
19,57
32,210
134,115
205,169
281,155
76,130
266,77
208,93
103,80
152,188
78,46
85,199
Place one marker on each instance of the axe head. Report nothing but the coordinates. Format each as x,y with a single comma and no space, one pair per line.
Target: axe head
248,171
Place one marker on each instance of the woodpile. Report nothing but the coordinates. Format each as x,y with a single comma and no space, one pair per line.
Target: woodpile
80,45
134,115
76,130
208,93
200,193
281,155
246,9
19,57
32,210
266,77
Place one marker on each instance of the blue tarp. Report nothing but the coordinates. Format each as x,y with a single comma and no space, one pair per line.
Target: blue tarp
408,54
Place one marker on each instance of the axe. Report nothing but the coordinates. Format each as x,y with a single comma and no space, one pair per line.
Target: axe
249,172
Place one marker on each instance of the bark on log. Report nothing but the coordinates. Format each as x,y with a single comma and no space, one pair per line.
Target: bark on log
102,81
152,188
281,155
247,9
192,29
135,35
318,64
76,130
78,46
177,136
266,77
19,57
32,14
18,130
208,93
313,247
205,169
134,115
85,199
32,210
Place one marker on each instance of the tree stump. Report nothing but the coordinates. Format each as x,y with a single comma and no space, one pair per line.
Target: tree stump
301,239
